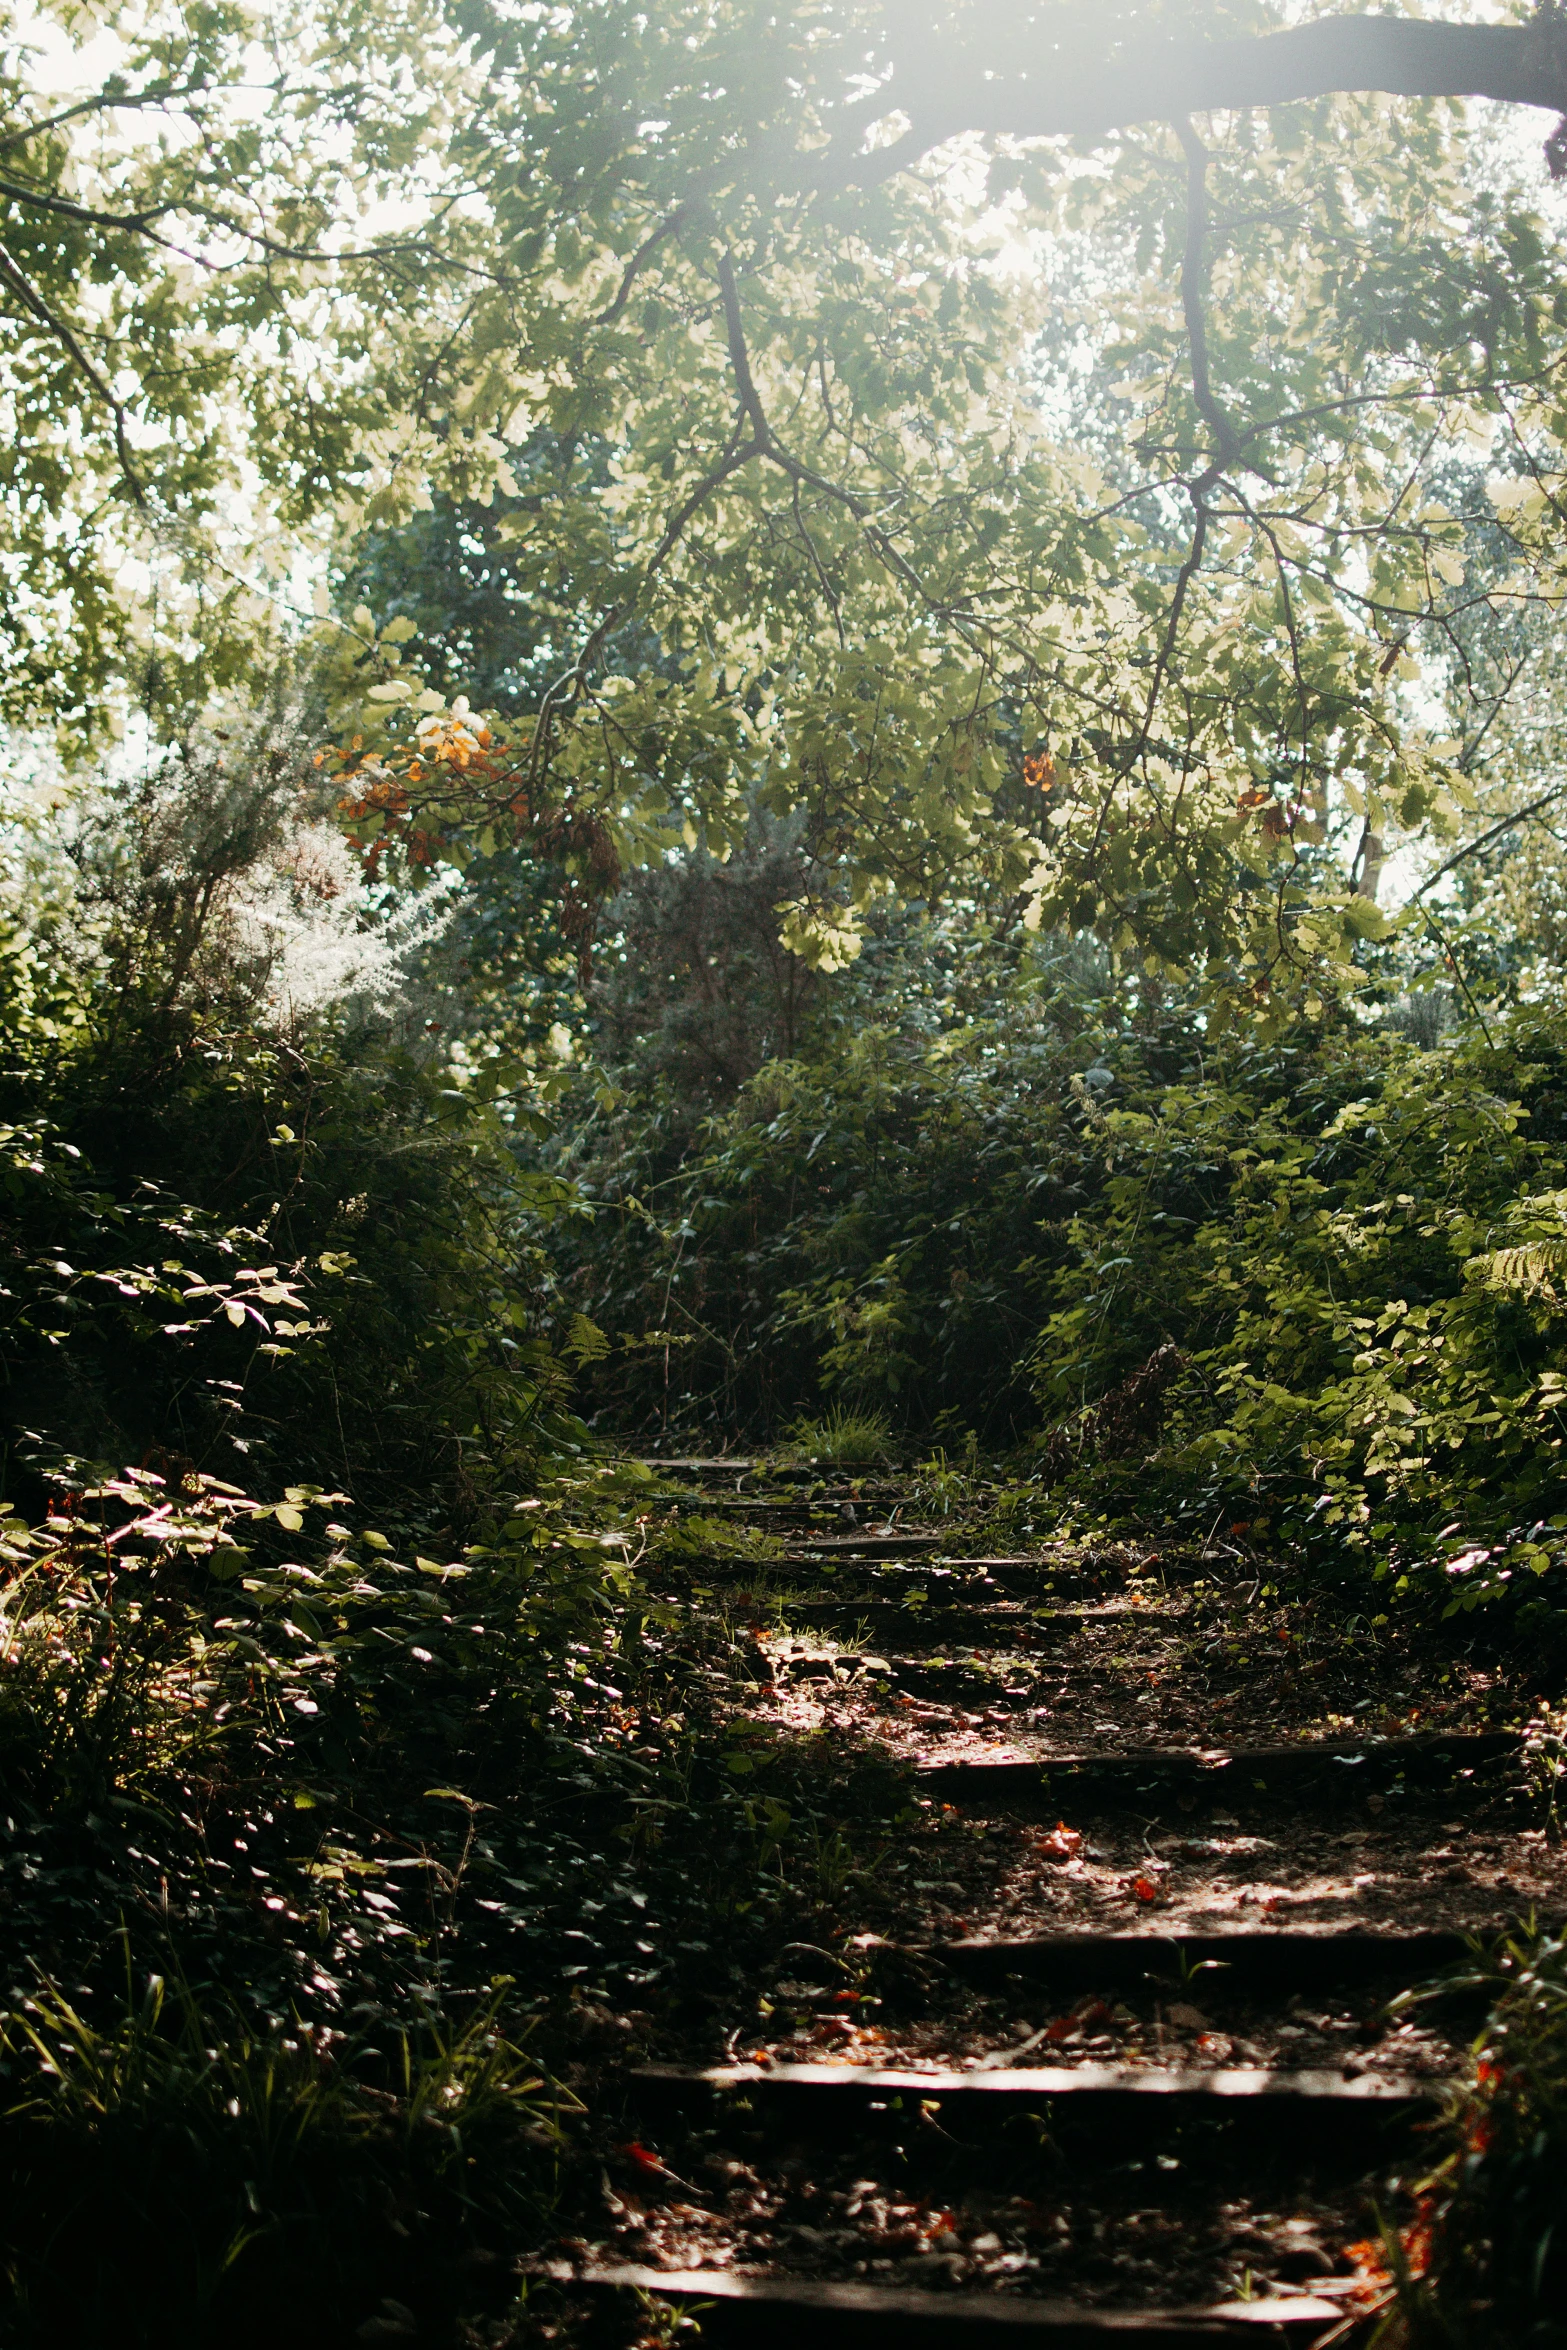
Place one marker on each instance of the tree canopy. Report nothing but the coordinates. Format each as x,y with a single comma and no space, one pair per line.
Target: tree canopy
1109,453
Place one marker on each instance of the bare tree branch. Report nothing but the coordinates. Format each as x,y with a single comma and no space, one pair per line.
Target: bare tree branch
111,99
766,443
1496,831
1193,272
33,302
1054,94
667,227
140,224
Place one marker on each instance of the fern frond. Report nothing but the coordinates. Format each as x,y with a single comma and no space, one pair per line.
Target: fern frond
1529,1270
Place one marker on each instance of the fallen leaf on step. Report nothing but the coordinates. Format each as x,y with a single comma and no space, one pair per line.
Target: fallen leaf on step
1062,1843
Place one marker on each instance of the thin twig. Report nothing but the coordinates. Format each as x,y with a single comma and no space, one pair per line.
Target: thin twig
140,224
822,580
105,101
1456,968
1473,848
34,302
667,227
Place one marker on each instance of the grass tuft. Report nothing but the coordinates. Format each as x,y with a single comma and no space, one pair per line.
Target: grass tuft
844,1436
184,2173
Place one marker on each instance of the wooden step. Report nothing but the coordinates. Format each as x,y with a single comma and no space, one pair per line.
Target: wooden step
1346,1766
871,1510
867,1546
723,1465
743,1507
1086,2105
1211,1967
932,1582
938,1625
1039,1578
780,2311
774,1473
940,1679
1002,1614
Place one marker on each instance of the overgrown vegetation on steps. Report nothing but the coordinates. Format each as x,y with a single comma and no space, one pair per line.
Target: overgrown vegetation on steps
332,1707
343,1774
365,1740
994,1193
1491,2247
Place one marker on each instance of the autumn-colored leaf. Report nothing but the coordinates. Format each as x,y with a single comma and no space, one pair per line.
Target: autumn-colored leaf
1062,1843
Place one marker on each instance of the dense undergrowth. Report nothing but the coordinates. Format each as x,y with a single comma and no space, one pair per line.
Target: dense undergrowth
1484,2265
348,1767
322,1659
356,1762
1312,1287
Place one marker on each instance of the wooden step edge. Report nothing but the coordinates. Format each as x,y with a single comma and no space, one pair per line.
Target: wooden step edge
748,1465
1048,1585
1463,1750
910,2314
935,1626
1048,1568
720,1465
1003,1615
1147,1579
727,1505
1292,1956
1004,1608
900,1670
848,1499
999,1611
1222,2085
864,1546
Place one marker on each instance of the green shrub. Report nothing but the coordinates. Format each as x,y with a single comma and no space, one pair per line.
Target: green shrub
860,1230
1317,1287
1494,2222
182,2173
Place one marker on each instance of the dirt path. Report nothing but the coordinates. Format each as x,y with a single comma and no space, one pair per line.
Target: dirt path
1116,2057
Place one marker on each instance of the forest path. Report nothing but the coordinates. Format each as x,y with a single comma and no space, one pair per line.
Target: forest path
1128,2067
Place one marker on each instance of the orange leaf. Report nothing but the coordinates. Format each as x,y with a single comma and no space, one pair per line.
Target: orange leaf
1062,1843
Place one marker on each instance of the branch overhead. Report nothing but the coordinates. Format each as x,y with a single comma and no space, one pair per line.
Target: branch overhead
1056,94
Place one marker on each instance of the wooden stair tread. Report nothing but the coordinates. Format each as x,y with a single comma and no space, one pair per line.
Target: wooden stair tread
1221,2083
908,2313
1463,1750
1291,1955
